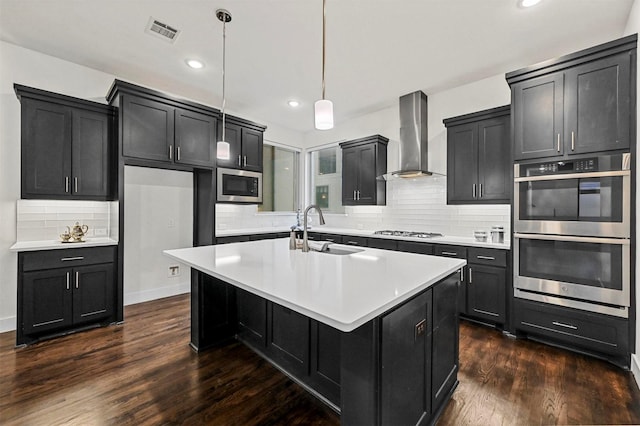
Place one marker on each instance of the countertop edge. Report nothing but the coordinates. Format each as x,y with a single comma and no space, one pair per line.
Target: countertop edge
21,246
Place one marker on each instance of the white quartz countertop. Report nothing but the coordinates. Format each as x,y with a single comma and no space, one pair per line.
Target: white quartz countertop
57,244
462,241
342,291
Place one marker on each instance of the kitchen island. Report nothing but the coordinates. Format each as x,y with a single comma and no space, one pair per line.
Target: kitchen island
373,333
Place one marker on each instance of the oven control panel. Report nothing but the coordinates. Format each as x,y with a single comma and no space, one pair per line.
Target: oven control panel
599,163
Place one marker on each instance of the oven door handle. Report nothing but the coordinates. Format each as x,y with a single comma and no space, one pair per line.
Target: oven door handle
573,176
621,241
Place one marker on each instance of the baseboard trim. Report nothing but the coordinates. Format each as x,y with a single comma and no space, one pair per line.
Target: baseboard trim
7,324
156,293
635,368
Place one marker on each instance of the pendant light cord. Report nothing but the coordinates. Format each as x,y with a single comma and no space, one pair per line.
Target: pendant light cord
324,23
224,99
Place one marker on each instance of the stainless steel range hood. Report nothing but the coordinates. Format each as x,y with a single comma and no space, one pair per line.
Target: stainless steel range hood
413,137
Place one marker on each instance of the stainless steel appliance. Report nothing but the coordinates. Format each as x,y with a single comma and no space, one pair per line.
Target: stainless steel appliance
572,233
240,186
589,196
413,234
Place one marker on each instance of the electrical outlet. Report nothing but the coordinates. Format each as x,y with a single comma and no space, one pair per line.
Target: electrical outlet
421,328
174,271
100,232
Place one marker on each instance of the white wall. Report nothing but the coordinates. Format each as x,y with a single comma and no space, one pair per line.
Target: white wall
633,26
158,215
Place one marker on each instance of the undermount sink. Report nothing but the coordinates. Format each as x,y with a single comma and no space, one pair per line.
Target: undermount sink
340,251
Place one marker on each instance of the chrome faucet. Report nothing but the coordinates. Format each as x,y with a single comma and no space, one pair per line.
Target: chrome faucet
305,241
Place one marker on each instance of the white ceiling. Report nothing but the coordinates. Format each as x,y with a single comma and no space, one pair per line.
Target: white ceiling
376,50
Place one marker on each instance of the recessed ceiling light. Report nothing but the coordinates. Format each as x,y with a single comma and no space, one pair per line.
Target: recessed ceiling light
195,64
528,3
293,103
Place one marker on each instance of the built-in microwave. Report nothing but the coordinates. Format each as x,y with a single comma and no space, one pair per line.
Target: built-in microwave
239,186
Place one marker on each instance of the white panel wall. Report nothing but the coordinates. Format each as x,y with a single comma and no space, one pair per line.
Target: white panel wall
158,215
633,26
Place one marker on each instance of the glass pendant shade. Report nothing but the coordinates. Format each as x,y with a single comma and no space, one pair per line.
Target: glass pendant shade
324,114
223,150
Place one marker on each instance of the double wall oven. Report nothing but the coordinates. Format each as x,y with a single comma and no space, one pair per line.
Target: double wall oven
572,229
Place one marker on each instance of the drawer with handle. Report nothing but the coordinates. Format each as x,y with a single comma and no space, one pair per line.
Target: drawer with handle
355,241
459,252
486,256
64,258
591,331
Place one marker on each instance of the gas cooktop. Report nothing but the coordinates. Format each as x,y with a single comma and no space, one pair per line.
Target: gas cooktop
408,234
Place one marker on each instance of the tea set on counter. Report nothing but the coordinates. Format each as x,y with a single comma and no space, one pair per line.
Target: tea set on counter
75,234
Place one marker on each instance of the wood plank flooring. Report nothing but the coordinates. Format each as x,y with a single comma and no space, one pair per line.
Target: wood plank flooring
143,372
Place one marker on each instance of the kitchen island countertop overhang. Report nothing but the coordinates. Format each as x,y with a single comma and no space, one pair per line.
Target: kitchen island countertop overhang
342,291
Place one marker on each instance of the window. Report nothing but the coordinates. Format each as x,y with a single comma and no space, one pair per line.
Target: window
325,179
279,179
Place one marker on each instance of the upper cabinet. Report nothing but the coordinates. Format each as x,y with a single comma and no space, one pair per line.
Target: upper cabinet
363,161
245,144
162,131
576,104
67,148
479,157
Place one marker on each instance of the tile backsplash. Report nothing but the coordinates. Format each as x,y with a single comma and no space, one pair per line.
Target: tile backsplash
39,220
412,205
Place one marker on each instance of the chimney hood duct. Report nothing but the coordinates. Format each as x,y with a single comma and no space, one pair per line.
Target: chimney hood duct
413,137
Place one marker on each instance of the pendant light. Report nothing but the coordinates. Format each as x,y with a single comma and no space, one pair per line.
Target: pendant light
324,107
223,149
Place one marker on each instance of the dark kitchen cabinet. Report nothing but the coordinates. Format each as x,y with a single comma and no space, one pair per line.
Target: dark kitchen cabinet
64,290
486,284
415,247
405,362
363,161
458,252
288,338
245,145
154,130
67,147
382,243
603,336
479,157
579,103
324,368
444,355
252,318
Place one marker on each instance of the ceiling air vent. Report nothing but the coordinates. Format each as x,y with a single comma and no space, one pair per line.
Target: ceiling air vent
162,30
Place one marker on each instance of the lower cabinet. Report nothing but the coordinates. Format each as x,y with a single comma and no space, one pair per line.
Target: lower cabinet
64,290
486,284
406,370
288,339
601,335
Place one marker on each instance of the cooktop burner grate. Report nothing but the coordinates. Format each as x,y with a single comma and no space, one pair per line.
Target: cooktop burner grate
408,234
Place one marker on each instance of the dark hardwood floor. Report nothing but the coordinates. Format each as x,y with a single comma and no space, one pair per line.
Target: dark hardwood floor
143,372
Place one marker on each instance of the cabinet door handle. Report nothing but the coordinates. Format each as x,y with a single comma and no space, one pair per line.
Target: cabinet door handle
239,160
559,324
244,161
573,141
558,146
354,195
486,257
480,196
461,275
353,243
358,191
470,276
75,184
77,278
66,184
170,152
474,190
68,277
66,259
449,253
178,153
